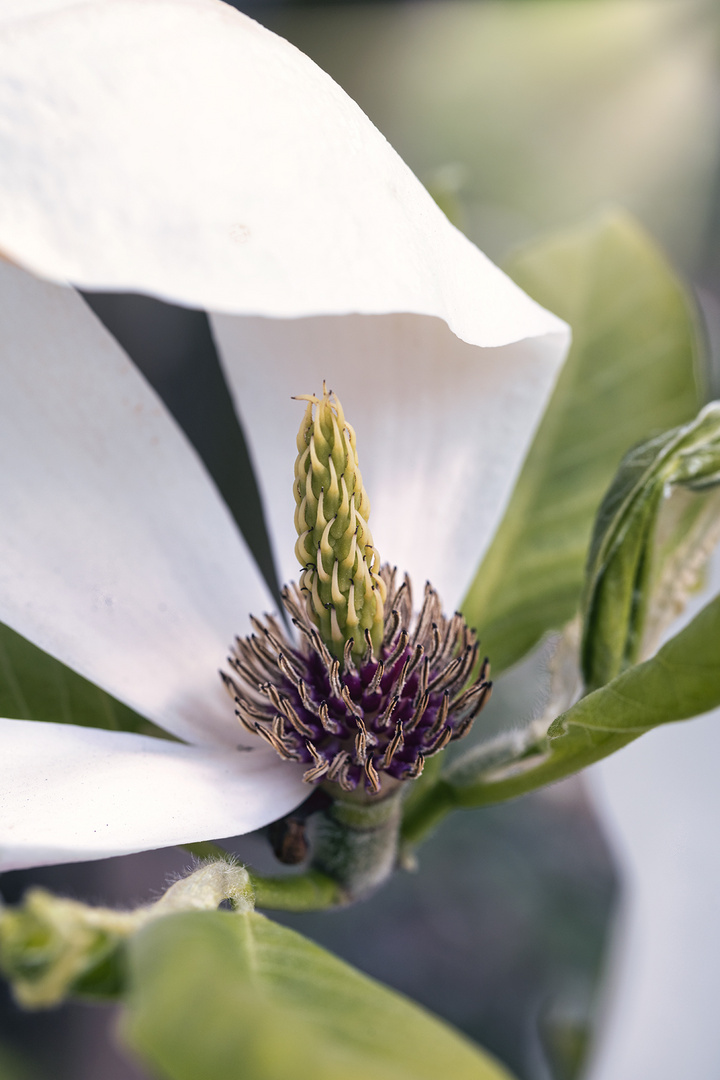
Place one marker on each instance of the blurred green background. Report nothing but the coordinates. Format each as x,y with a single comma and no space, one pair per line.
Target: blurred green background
527,115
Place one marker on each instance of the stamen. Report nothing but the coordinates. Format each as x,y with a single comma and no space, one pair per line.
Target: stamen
315,754
384,720
246,722
361,744
284,691
445,677
300,726
311,776
409,666
424,677
277,745
416,768
439,743
441,716
335,685
397,742
367,656
391,626
338,762
230,685
375,681
333,727
352,707
290,668
347,655
372,776
419,712
435,643
399,649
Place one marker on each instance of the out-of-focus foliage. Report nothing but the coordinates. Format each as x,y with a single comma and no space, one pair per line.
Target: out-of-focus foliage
527,115
631,372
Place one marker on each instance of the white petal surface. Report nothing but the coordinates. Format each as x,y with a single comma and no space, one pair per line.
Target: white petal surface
442,426
117,555
659,800
13,10
70,793
177,147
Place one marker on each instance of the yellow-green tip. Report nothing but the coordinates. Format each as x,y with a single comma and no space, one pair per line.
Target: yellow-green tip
341,568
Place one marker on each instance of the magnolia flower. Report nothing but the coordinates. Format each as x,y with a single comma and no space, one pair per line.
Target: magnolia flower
175,147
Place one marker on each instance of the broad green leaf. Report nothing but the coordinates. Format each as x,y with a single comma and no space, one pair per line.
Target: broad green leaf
620,574
630,373
237,996
35,686
681,681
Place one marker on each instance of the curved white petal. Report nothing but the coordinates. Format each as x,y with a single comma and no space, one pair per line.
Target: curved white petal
443,426
70,793
179,148
659,801
117,554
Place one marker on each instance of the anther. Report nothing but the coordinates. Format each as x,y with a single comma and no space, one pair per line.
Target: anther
300,726
334,675
398,650
333,727
397,742
384,720
372,776
347,654
338,762
417,716
375,681
351,705
416,768
439,743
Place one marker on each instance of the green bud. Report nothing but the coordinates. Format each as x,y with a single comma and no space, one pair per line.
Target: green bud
341,568
52,947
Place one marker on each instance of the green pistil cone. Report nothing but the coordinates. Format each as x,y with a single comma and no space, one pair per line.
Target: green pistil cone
341,568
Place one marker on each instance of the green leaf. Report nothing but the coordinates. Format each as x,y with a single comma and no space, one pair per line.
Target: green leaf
620,575
681,681
236,996
631,372
35,686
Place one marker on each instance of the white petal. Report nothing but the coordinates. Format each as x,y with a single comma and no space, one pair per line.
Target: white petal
659,801
14,10
177,147
70,793
442,426
117,555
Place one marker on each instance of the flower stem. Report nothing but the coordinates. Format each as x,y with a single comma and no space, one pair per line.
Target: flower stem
426,813
311,891
356,851
358,843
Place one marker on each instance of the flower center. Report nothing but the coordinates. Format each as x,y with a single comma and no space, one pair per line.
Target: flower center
367,691
364,719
